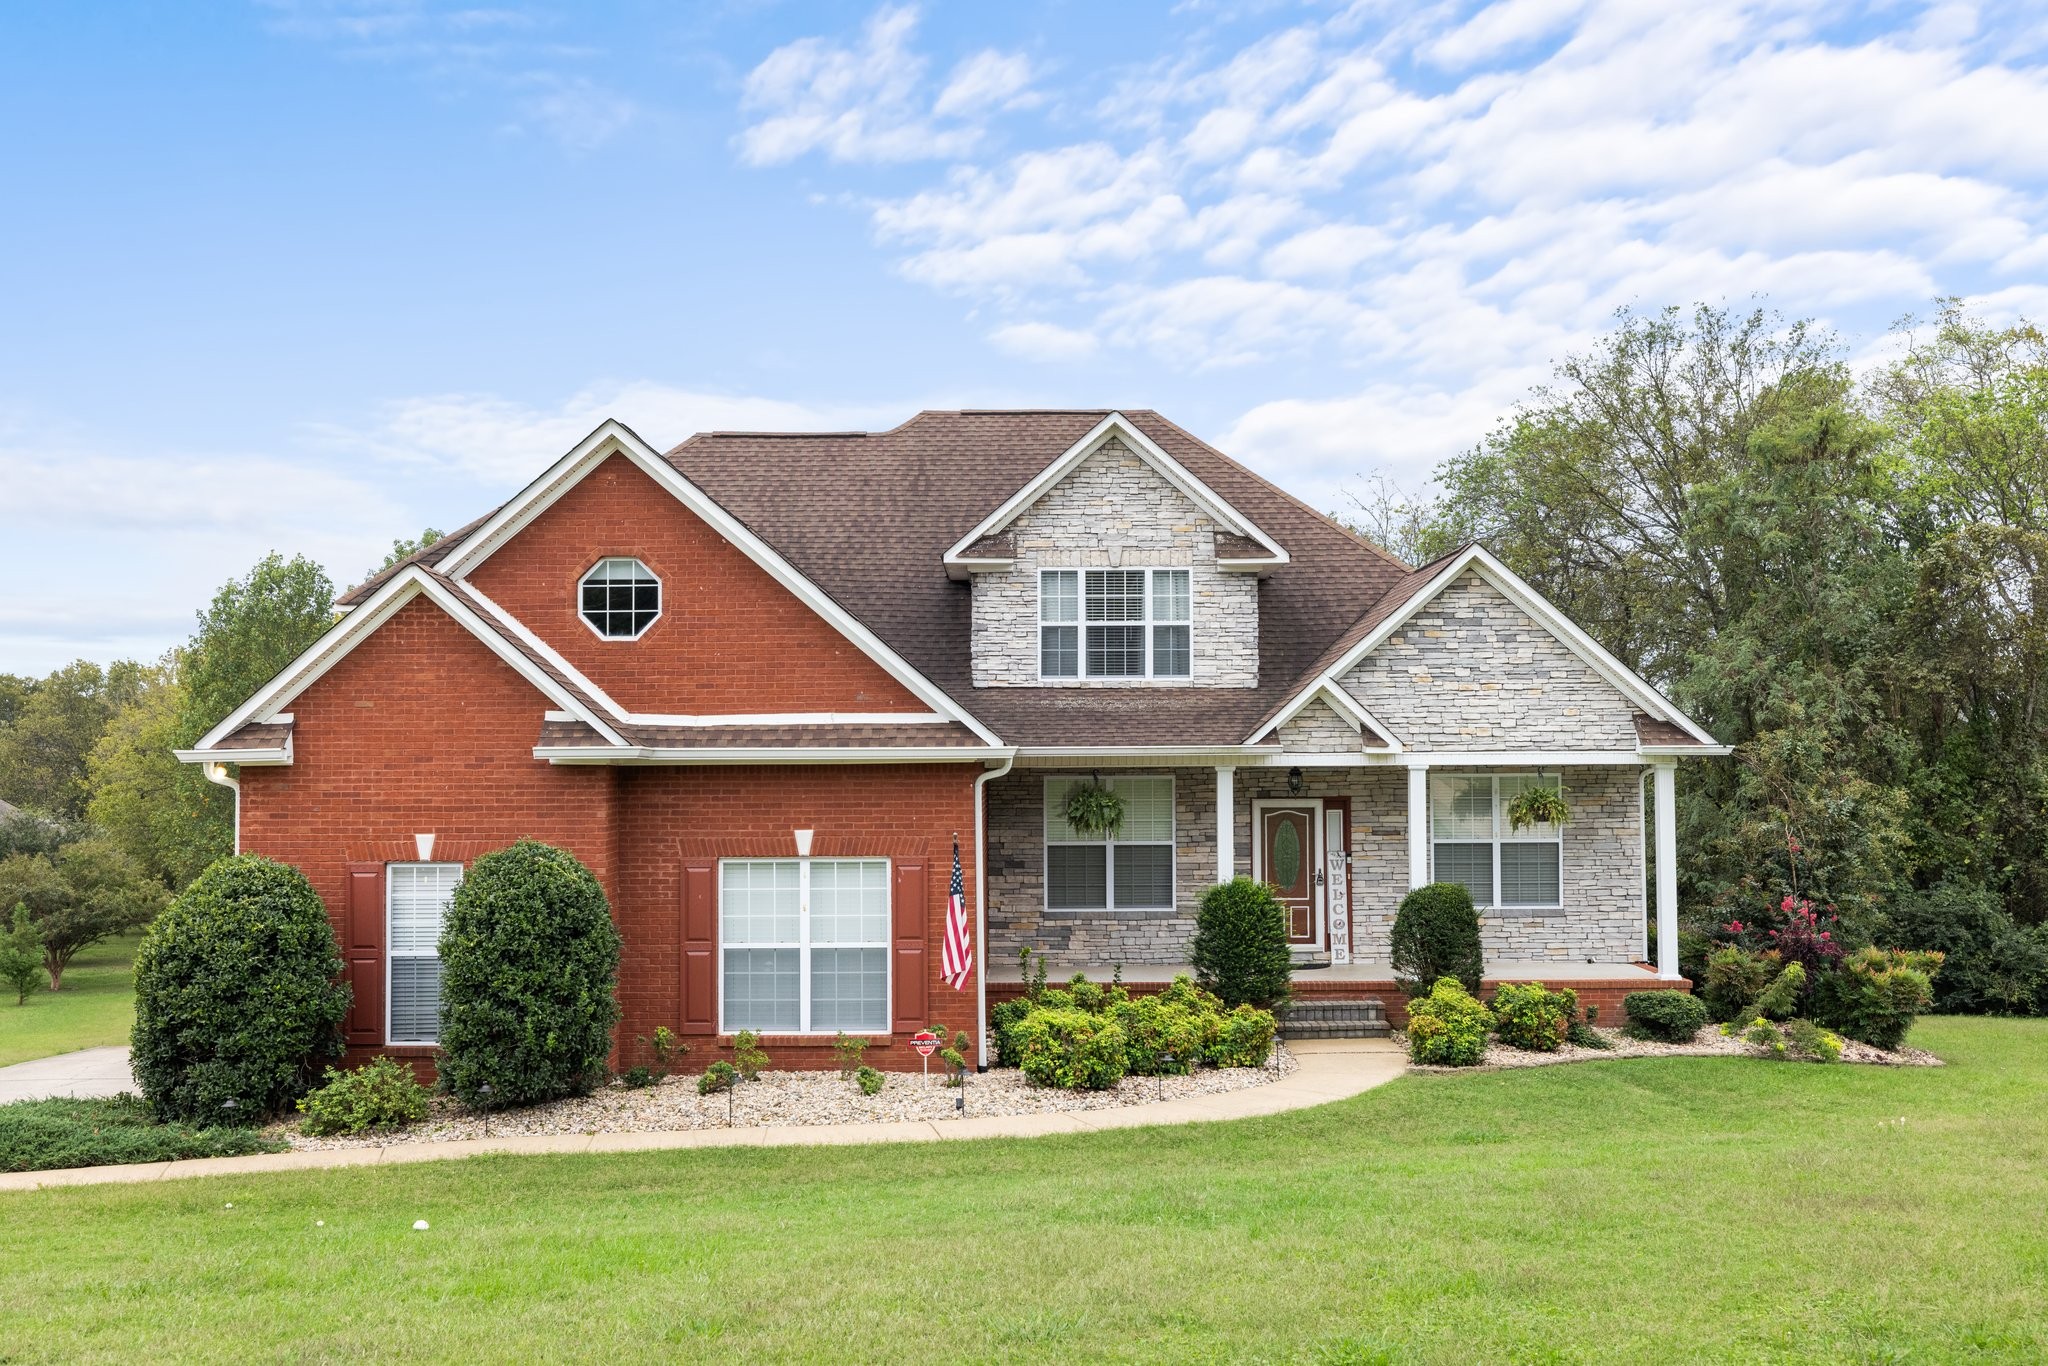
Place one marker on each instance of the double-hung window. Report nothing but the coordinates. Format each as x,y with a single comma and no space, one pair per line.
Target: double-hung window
1130,870
1114,623
805,945
416,900
1475,846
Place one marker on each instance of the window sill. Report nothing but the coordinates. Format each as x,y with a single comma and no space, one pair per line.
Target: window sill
1122,912
1503,912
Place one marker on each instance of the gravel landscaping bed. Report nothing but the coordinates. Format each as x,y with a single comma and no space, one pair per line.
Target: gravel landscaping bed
1710,1042
792,1098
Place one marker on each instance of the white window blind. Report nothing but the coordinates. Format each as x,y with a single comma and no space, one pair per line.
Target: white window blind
1132,870
417,897
1474,845
805,945
1115,623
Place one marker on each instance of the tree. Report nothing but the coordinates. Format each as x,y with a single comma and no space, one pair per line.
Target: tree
87,892
21,955
164,813
405,549
55,723
255,626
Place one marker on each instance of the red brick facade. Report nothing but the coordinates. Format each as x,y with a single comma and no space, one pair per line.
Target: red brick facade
422,730
730,638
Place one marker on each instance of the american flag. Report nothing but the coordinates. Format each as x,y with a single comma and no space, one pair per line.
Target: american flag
959,955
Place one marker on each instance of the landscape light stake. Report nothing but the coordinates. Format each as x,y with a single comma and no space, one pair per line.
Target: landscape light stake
1165,1065
229,1106
730,1087
484,1089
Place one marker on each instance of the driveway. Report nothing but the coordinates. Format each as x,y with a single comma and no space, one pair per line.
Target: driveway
88,1072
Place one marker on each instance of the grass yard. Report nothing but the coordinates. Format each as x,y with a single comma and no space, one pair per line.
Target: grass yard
1662,1210
95,1008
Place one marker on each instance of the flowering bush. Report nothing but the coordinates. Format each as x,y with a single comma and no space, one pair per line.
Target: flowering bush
1806,938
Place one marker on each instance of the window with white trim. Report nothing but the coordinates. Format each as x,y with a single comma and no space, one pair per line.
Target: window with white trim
1473,844
1115,623
620,598
1129,871
804,945
416,901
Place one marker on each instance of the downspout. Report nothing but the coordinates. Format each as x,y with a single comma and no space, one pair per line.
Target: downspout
981,905
218,773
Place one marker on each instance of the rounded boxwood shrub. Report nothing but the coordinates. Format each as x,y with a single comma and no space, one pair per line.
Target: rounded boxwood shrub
236,995
1533,1018
529,961
1666,1016
1447,1027
1240,946
1436,935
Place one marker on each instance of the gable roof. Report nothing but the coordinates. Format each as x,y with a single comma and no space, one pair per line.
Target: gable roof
1421,587
1254,548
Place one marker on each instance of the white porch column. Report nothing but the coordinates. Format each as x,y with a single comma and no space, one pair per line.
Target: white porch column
1418,826
1226,823
1664,776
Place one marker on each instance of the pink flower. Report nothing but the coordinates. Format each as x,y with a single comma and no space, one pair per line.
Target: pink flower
1786,904
1793,845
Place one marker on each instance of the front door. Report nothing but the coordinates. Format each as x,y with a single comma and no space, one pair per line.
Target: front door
1287,849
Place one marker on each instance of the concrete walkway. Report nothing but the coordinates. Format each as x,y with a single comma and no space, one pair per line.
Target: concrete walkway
86,1074
1330,1069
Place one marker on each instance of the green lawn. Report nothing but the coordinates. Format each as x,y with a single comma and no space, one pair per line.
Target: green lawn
1681,1209
95,1008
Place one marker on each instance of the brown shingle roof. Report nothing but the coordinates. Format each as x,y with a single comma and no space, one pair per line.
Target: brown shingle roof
868,517
859,736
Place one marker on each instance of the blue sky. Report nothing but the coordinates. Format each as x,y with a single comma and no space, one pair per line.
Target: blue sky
309,276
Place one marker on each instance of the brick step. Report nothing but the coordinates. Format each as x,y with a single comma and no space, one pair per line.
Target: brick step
1324,1010
1335,1029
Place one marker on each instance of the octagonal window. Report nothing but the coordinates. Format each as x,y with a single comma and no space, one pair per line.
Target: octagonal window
621,598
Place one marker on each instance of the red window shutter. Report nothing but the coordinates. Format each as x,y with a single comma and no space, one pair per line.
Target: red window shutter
700,947
362,952
910,914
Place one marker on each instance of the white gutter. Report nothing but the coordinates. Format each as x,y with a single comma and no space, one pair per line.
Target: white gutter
981,905
218,773
814,754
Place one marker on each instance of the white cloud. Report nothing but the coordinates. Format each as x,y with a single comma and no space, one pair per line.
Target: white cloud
1044,342
868,102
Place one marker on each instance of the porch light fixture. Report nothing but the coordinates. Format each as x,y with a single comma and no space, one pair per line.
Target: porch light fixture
1294,782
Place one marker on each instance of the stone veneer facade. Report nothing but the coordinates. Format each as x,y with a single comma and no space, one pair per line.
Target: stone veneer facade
1472,671
1114,511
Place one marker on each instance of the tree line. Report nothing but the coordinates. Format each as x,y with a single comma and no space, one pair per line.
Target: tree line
1840,574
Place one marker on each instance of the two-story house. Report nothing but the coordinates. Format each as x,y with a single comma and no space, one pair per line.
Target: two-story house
763,684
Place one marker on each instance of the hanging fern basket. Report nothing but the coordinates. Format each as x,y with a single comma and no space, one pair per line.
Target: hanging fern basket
1538,806
1093,809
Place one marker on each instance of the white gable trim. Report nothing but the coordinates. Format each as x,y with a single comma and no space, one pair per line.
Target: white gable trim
1116,424
1539,609
1345,705
353,629
613,437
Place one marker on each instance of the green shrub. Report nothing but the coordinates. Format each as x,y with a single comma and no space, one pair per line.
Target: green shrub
720,1076
1155,1029
1582,1035
1436,935
1245,1039
1809,1040
21,955
1002,1020
1087,995
1780,1000
1447,1027
45,1135
847,1052
1240,948
382,1094
639,1076
666,1050
1734,978
236,994
1875,994
1990,963
1071,1049
1529,1017
1666,1016
869,1080
748,1057
529,963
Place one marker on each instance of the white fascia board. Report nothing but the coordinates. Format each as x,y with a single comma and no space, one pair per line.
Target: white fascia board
959,569
1684,751
1346,706
506,621
1539,609
349,632
613,437
823,754
1116,424
248,758
1520,758
1039,756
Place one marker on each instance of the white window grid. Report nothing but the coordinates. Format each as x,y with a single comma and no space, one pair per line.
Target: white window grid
798,928
630,594
1137,832
416,900
1078,609
1455,817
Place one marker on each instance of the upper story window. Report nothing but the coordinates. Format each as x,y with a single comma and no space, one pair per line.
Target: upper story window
1114,623
621,598
1475,845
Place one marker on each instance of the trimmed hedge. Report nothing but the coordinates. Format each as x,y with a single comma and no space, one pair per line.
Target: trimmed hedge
45,1135
1071,1049
529,964
1240,951
1667,1016
236,995
1436,935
